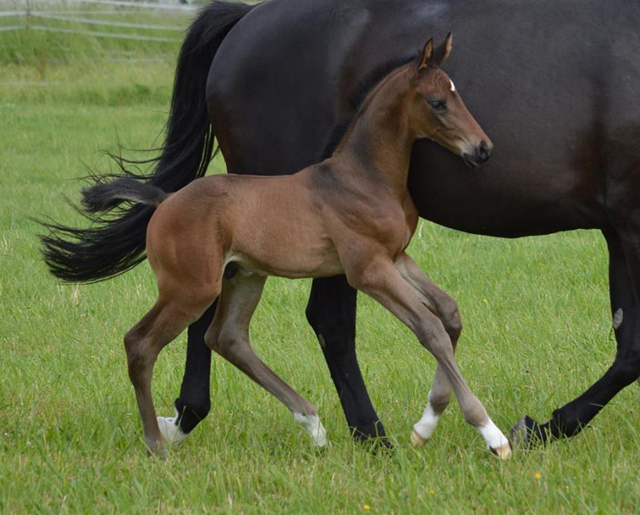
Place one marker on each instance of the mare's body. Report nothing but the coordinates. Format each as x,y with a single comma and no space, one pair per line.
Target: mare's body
554,82
562,80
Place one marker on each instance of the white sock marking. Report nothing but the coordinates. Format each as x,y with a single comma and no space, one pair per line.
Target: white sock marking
428,423
170,430
313,426
492,435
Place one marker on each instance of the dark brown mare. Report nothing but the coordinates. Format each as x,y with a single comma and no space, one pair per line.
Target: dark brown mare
221,236
555,82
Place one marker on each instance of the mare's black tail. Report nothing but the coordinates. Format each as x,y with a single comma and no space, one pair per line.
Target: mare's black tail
115,241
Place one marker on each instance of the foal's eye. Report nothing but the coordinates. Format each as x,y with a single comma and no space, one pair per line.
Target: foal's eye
437,105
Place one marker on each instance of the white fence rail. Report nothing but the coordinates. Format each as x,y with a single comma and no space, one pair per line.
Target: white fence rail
89,21
33,15
140,5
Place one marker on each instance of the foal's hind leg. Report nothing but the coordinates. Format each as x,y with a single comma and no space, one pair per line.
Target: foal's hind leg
445,308
161,325
194,403
229,337
381,280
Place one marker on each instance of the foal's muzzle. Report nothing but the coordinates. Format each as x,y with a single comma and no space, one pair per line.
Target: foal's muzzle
480,156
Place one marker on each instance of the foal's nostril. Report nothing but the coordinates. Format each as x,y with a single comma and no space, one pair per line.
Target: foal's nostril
483,152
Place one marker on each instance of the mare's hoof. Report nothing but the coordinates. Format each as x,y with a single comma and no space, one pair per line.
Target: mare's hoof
416,440
375,444
503,452
373,438
380,445
524,433
170,430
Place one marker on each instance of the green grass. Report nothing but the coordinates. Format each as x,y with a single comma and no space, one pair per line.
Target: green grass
34,45
537,334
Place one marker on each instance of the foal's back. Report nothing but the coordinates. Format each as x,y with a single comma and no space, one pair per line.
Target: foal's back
268,225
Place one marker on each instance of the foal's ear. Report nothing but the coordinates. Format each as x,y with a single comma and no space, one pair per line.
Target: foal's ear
444,50
427,54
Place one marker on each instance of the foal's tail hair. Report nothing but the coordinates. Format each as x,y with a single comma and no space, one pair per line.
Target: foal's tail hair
115,241
105,196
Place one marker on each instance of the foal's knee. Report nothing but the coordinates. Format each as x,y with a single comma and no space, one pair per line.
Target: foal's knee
435,338
451,319
222,341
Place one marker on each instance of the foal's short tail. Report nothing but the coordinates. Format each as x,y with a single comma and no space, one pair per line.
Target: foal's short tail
104,196
115,240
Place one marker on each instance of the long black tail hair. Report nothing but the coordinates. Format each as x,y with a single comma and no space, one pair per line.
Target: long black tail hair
115,241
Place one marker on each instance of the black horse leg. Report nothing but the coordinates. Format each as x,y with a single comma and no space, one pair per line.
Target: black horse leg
194,402
624,277
331,312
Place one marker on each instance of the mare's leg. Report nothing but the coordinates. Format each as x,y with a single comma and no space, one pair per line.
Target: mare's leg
624,279
331,312
445,308
229,337
162,324
381,280
194,402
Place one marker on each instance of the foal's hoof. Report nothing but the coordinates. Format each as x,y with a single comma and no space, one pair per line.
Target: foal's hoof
503,452
157,449
319,437
416,440
524,433
170,430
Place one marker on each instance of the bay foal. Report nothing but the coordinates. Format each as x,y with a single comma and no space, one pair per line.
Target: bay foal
221,236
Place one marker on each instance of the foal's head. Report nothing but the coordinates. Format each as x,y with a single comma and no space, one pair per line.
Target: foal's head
439,113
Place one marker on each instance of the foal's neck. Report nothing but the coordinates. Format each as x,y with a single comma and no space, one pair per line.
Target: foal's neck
378,144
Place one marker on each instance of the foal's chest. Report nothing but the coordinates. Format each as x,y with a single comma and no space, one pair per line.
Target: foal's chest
410,219
397,227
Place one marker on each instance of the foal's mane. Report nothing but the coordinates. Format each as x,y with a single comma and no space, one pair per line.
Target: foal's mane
357,97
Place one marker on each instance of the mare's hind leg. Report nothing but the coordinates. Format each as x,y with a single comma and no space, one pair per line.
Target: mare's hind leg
143,343
380,279
445,308
229,337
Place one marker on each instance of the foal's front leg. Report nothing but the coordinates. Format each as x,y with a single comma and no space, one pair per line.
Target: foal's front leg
445,308
380,279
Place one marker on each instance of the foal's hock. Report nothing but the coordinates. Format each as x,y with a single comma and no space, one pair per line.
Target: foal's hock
221,236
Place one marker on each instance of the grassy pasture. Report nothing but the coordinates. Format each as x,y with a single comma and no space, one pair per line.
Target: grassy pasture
537,333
